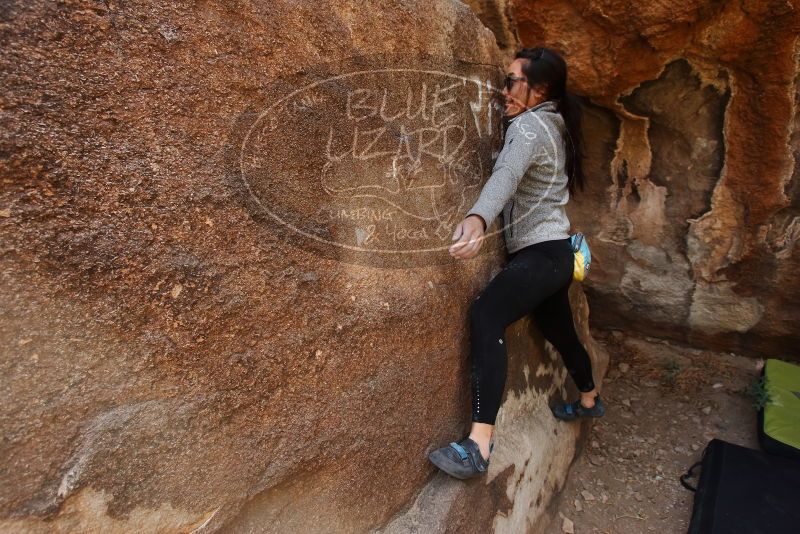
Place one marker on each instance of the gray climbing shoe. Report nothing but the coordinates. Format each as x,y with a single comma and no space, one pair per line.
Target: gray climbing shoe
461,460
574,410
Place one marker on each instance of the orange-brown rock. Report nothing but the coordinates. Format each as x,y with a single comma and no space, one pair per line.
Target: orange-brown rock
196,335
692,136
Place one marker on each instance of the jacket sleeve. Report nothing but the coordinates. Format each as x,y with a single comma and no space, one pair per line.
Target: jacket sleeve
521,144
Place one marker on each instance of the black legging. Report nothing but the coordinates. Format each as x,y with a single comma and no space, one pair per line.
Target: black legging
536,279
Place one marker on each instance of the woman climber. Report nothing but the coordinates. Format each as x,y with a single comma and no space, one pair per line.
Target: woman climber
537,169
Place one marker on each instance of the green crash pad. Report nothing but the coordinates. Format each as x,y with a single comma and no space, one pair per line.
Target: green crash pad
780,427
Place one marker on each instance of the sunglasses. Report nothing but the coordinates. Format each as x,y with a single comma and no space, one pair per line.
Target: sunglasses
509,81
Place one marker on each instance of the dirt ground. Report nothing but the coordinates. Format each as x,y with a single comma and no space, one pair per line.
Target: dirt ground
664,403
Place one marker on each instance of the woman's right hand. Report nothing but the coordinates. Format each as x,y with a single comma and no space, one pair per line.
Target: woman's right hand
469,234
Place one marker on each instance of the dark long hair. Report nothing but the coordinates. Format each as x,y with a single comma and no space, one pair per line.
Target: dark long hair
545,66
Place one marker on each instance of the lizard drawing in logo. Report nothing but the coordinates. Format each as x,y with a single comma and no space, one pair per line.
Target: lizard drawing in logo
428,174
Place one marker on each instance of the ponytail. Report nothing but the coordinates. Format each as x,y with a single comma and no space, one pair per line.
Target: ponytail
545,66
570,109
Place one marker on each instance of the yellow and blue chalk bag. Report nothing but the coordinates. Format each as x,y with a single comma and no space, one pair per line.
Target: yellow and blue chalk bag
583,257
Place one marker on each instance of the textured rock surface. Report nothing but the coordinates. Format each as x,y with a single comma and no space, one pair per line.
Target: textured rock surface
497,16
693,206
173,360
534,451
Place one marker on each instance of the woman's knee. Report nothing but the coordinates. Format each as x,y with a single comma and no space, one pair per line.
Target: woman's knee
479,314
484,321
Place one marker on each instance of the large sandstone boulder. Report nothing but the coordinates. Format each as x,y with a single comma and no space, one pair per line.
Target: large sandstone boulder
225,300
693,205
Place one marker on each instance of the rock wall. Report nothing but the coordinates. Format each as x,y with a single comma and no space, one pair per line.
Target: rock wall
225,297
692,144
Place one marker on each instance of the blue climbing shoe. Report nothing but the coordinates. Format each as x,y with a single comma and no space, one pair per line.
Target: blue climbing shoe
574,410
462,460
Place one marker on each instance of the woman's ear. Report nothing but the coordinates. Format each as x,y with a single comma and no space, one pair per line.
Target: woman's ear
540,90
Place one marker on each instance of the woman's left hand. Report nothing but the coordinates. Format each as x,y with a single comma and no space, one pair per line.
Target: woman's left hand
470,235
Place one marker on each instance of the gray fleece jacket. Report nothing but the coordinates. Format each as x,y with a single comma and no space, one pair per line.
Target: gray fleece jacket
529,182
